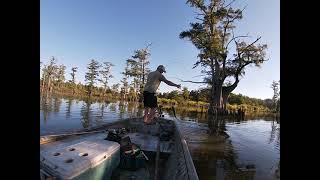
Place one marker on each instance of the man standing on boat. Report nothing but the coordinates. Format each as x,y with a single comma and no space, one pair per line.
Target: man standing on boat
149,94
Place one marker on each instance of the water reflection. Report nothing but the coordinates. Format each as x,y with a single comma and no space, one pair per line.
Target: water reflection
217,159
122,108
56,104
275,138
112,107
100,114
68,110
85,114
45,107
275,132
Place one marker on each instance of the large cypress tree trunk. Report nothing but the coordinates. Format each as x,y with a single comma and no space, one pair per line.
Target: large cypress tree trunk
105,89
43,84
217,96
215,104
89,91
49,84
226,92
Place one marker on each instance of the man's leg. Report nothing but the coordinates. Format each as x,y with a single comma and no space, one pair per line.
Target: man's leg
152,114
146,115
154,106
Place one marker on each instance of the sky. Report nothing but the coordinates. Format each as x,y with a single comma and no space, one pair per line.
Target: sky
76,31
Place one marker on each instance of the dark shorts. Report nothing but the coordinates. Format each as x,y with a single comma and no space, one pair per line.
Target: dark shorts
150,100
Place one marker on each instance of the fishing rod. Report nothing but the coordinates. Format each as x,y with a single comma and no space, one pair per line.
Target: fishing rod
47,138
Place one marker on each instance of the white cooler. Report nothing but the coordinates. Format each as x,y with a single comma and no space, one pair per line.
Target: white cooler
90,157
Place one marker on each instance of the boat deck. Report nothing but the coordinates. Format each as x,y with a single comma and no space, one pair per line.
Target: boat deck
148,142
174,160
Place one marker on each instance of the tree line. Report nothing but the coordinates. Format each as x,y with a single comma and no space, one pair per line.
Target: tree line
135,72
234,101
53,80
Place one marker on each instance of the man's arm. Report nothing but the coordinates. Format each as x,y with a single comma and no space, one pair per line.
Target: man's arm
162,78
171,83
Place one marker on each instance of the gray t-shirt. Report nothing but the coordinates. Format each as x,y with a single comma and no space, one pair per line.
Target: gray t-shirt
153,81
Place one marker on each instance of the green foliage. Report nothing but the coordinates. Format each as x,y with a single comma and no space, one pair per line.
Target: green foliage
137,68
185,93
105,74
250,104
115,88
73,74
173,94
124,81
60,74
92,75
52,75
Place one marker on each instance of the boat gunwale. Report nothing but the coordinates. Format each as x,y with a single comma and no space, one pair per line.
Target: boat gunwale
191,170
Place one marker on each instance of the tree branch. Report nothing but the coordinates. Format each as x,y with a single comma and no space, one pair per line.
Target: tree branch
234,39
226,26
251,44
199,19
200,14
254,42
235,17
224,32
199,75
229,4
148,45
200,6
244,65
230,88
237,48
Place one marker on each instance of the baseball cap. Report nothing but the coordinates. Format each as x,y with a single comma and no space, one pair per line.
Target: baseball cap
161,67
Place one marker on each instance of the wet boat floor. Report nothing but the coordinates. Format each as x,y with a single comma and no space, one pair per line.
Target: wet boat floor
145,173
147,139
148,142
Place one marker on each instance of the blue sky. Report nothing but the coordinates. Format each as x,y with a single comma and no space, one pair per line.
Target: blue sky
76,31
